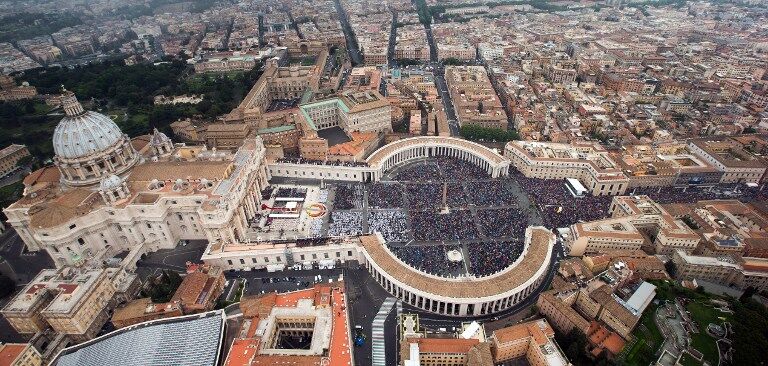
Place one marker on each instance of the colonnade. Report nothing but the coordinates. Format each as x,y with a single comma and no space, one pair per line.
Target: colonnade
418,151
452,306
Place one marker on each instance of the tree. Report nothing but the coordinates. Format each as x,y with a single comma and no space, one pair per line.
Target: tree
24,161
748,293
575,342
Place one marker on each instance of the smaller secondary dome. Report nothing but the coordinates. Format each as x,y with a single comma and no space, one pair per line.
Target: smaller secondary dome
111,182
159,138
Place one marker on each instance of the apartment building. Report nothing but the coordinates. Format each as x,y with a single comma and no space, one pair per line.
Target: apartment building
474,99
590,163
71,301
197,293
10,156
534,340
729,157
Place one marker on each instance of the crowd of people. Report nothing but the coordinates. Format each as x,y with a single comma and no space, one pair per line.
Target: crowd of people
345,223
558,207
441,168
419,172
316,223
385,195
695,194
490,193
424,195
286,192
434,226
392,224
298,160
505,222
432,259
488,258
348,196
459,169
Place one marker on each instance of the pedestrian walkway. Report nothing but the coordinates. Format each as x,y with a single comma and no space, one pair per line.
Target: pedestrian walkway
378,343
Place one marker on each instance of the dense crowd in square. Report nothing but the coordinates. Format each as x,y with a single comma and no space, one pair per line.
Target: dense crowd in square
441,169
392,224
424,195
503,222
385,195
558,207
488,258
490,193
345,223
431,259
348,196
435,226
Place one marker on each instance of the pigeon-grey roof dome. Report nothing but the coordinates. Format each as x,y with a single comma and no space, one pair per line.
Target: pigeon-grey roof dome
111,182
159,138
83,133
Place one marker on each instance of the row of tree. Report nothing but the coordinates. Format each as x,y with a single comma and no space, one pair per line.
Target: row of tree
478,133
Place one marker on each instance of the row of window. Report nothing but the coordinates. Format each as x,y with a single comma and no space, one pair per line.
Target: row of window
278,259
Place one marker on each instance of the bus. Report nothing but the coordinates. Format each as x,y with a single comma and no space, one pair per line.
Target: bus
575,187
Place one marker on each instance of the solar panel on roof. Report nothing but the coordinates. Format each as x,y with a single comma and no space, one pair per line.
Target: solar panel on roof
190,341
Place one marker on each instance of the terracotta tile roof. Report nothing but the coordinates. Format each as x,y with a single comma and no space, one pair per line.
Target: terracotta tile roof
480,355
444,345
140,142
190,288
603,296
521,331
245,352
9,353
64,207
257,306
48,174
242,352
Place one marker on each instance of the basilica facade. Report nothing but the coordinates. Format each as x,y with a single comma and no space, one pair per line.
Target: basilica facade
108,194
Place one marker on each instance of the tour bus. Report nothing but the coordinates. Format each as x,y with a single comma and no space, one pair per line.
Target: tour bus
575,187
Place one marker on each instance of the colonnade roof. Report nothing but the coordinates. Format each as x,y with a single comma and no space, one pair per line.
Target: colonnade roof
539,246
382,154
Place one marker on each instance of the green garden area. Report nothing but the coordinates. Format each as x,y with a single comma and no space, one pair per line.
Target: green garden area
162,287
749,337
688,360
648,339
704,314
124,93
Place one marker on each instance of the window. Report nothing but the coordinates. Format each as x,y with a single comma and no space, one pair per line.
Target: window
80,241
149,226
266,259
242,261
253,260
325,255
314,256
229,261
72,226
349,253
